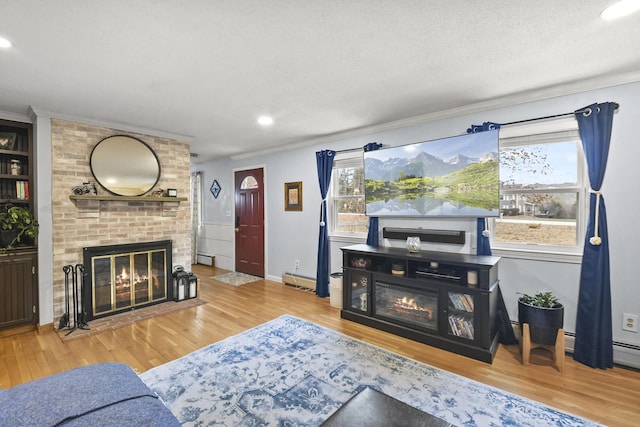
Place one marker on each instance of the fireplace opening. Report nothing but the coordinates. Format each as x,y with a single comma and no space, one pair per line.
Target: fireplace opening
124,277
413,308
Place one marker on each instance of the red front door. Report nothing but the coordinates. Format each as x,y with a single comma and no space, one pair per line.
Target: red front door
249,221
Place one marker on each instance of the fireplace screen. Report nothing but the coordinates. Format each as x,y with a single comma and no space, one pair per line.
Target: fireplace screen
127,276
413,308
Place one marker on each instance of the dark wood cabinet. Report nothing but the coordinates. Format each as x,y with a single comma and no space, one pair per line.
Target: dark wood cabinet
18,288
18,267
442,299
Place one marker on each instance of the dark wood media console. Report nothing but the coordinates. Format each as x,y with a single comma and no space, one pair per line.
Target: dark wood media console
446,300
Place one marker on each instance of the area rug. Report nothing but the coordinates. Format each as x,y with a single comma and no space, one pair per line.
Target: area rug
236,279
289,372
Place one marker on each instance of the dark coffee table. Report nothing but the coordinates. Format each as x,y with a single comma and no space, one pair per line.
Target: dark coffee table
371,408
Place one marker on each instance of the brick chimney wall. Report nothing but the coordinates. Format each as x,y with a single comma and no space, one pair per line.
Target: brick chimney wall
118,222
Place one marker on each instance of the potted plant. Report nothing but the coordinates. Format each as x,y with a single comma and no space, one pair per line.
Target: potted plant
18,227
544,314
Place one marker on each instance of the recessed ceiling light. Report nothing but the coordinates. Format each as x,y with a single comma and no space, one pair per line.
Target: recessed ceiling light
265,120
4,43
620,9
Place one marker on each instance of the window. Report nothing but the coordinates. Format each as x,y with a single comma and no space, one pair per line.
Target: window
346,198
543,191
249,183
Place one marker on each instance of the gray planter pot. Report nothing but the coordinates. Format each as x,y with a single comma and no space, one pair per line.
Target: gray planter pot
543,322
6,237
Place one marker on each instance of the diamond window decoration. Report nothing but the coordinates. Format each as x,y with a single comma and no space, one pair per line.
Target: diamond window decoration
215,188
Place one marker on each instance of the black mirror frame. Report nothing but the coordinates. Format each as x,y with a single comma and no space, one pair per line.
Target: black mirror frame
106,185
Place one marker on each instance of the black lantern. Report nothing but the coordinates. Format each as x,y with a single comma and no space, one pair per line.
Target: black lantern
180,283
192,286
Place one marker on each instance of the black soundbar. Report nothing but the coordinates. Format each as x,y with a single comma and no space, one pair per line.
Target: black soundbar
437,236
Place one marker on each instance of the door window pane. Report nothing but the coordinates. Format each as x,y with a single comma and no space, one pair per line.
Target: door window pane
248,183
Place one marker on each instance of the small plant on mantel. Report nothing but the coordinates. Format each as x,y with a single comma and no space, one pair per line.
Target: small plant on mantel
18,226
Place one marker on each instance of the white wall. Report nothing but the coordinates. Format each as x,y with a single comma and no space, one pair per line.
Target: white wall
288,235
44,210
217,238
294,235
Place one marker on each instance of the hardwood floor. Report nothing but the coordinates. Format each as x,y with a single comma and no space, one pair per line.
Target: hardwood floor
607,396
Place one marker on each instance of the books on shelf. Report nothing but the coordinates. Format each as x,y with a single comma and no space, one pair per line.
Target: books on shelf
14,164
461,326
22,190
462,302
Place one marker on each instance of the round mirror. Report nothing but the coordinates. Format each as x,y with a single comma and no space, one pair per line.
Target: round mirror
124,165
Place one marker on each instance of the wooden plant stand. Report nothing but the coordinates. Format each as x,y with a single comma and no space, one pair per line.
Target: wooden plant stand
556,350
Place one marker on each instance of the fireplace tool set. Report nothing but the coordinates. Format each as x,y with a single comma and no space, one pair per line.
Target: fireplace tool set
75,293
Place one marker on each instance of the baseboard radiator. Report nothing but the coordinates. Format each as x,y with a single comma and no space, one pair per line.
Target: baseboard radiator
299,281
206,259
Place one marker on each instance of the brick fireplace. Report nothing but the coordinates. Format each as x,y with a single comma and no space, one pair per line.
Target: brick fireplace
111,222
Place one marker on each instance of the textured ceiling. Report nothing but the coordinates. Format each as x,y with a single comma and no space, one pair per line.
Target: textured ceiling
208,69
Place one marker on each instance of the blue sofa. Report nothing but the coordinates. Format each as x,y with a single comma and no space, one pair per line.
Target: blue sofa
105,394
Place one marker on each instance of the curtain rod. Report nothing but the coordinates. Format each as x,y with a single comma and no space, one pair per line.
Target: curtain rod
348,150
616,105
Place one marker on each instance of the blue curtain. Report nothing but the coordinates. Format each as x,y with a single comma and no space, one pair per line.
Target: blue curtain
373,238
594,342
324,161
483,244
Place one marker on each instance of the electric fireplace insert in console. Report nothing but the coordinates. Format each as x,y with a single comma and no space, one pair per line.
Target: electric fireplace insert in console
446,300
413,308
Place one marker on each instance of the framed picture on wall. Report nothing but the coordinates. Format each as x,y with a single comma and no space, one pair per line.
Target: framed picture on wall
215,189
293,196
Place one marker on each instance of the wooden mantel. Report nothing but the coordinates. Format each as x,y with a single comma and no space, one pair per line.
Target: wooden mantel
89,205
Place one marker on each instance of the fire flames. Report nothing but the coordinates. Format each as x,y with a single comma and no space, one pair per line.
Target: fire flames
124,279
410,304
124,276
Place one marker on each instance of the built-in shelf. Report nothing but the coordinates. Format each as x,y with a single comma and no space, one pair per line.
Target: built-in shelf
89,205
18,266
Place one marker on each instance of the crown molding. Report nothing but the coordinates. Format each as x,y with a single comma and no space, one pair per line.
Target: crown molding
38,113
493,104
16,117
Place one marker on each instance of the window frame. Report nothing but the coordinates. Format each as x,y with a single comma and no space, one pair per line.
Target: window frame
343,161
558,131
